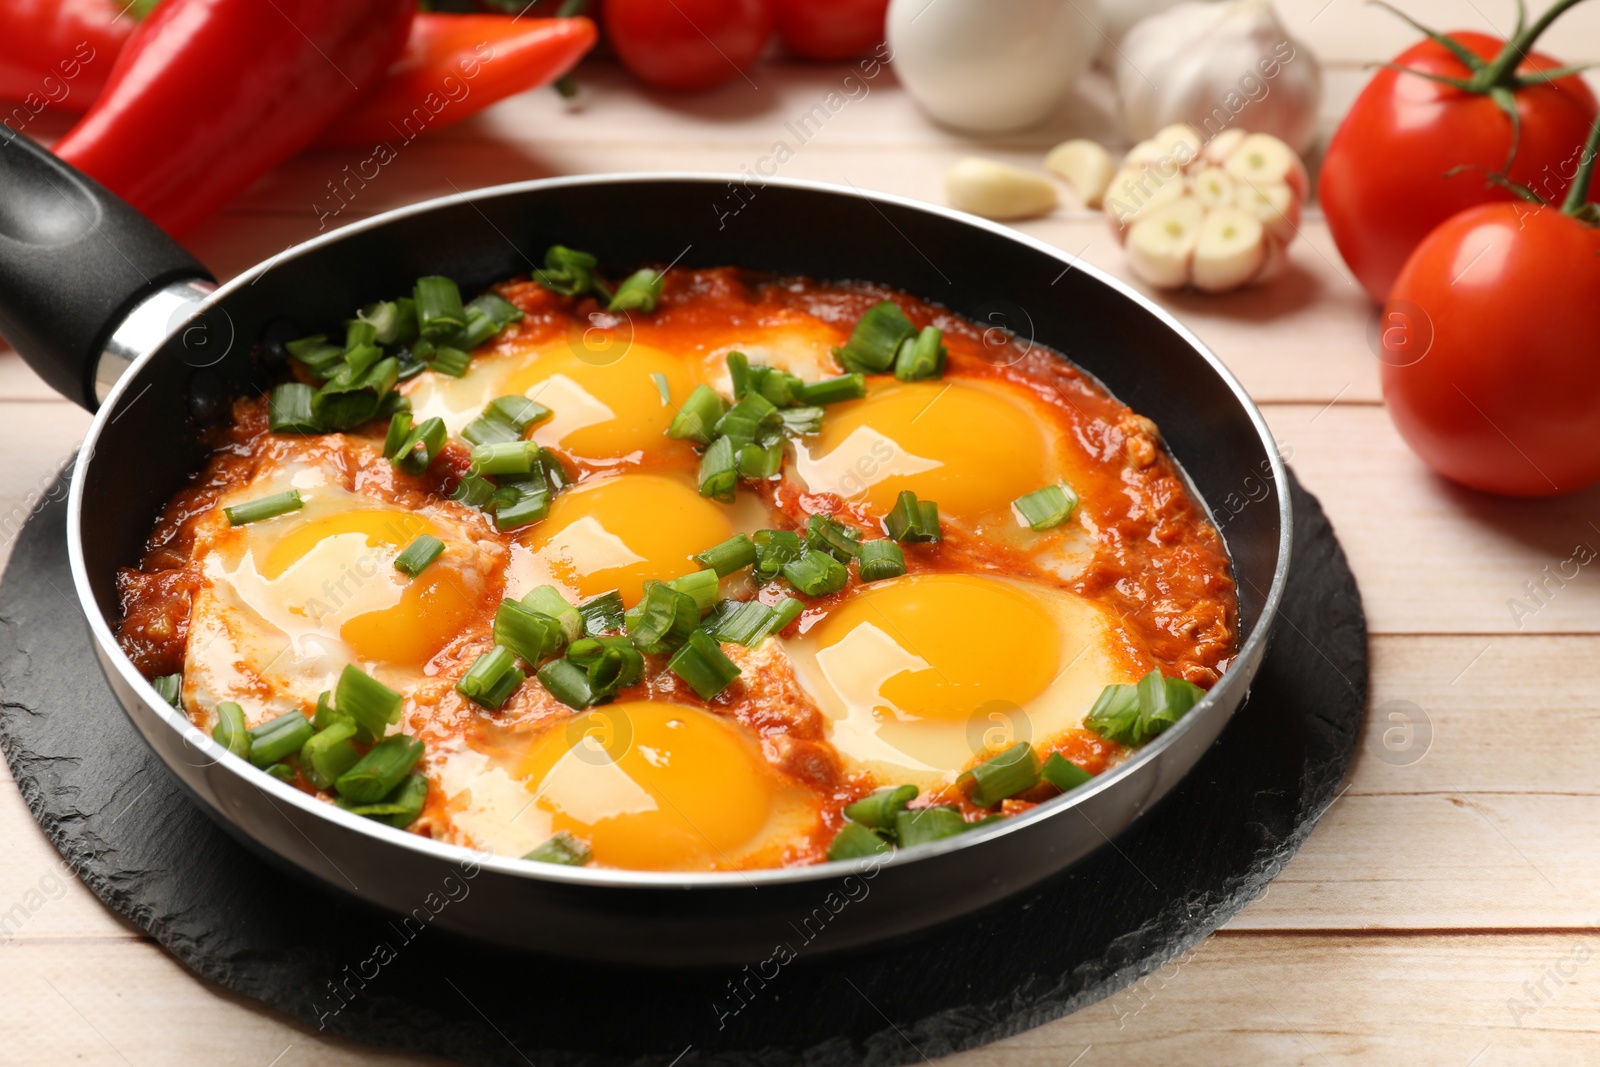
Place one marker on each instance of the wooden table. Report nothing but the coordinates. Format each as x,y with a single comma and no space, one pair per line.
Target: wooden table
1445,910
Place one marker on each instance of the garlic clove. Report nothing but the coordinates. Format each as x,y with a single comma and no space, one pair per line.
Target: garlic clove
1223,145
1180,142
1272,266
1274,206
1262,159
1084,165
1229,250
997,190
1137,192
1161,245
1212,187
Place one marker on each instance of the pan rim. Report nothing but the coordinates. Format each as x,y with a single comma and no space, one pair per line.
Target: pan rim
111,653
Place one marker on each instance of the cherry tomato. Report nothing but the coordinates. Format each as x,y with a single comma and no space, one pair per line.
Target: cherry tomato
687,44
1489,346
831,29
1383,185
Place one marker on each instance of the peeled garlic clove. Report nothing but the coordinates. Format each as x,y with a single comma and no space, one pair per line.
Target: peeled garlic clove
1261,159
1273,205
1136,193
1212,187
1180,142
1084,165
1161,245
997,190
1223,145
1228,250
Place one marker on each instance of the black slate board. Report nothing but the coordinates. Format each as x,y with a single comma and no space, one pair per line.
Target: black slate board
1177,874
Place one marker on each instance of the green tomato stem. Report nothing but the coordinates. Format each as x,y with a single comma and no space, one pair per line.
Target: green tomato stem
1578,195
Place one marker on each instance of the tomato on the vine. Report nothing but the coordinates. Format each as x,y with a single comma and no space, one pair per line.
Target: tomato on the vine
1490,345
687,44
831,29
1414,151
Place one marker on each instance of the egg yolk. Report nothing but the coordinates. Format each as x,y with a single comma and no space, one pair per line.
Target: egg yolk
615,533
652,786
327,569
606,404
938,646
967,448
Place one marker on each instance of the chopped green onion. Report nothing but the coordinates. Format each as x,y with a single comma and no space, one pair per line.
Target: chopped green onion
702,585
611,663
696,420
289,410
392,321
912,519
359,359
881,559
1016,770
377,773
479,328
1163,701
568,272
400,808
1063,773
316,353
880,809
739,373
400,428
492,678
751,421
734,554
662,387
439,310
758,462
700,662
230,731
359,333
816,573
368,701
267,507
533,636
1047,507
474,491
833,390
349,399
719,473
504,457
802,421
328,753
855,841
499,310
639,291
327,715
522,504
1115,714
421,445
450,361
774,548
169,687
419,555
547,600
567,682
784,611
778,386
602,614
283,736
740,622
506,418
875,340
283,772
921,825
921,357
392,403
564,849
663,618
835,538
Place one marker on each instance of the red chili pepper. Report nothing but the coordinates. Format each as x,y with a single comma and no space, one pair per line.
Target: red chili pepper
58,53
209,95
454,66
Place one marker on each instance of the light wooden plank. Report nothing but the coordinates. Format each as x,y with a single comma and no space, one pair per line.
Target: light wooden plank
39,438
1353,31
40,895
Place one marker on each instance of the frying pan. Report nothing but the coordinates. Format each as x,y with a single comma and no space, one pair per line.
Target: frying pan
119,318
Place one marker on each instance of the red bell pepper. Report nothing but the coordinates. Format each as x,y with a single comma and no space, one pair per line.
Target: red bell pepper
453,67
58,53
208,95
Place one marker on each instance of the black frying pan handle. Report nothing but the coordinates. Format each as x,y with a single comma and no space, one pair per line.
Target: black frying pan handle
74,260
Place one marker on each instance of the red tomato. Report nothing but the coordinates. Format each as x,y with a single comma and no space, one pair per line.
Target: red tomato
687,44
1489,349
831,29
1383,185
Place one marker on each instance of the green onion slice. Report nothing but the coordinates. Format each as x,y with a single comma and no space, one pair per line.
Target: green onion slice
702,585
1045,508
474,491
373,705
230,731
801,421
419,555
663,618
563,848
567,682
492,678
879,809
875,340
1063,773
855,841
438,307
759,462
753,420
602,614
698,417
816,573
267,507
497,308
279,738
921,357
1133,714
1016,770
836,539
400,808
328,753
639,291
169,687
913,520
289,409
416,453
547,600
700,662
734,554
376,774
506,418
449,361
833,390
719,472
533,636
881,559
774,548
568,272
504,457
922,825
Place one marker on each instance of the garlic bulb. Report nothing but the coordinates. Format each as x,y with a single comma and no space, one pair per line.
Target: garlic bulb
1117,17
991,65
1216,215
1216,66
